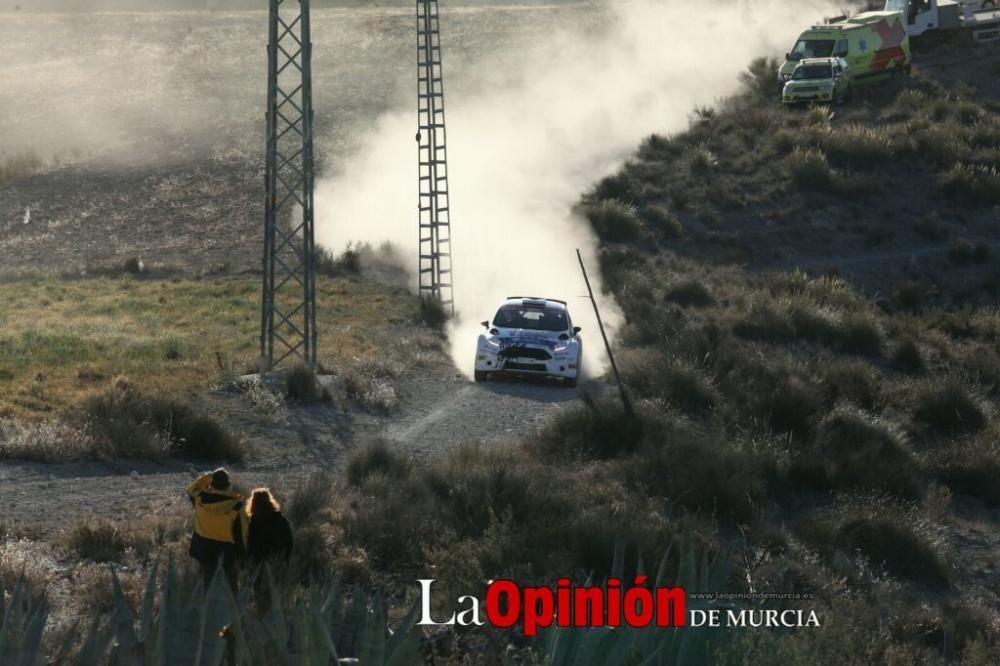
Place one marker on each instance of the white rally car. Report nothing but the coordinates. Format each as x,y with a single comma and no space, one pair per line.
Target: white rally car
530,336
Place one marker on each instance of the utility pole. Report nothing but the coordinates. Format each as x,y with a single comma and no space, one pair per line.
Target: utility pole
434,254
288,311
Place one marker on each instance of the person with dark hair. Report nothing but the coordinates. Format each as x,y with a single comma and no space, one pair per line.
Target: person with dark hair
219,524
269,534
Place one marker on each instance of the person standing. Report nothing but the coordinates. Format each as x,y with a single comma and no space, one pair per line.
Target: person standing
269,534
219,526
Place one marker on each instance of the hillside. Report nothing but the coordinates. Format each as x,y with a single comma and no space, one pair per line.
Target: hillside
810,337
833,428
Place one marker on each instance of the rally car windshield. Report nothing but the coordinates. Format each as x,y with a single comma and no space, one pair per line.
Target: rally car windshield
811,48
807,72
533,318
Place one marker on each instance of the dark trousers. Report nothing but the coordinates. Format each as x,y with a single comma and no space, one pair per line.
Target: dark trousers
209,552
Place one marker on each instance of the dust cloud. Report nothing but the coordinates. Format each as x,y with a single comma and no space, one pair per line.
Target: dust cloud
520,154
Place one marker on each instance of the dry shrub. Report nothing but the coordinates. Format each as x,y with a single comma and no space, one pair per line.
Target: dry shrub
20,165
126,423
49,441
105,541
309,499
433,312
369,384
301,384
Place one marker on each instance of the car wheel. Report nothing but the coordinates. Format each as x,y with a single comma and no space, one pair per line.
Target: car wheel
989,4
479,375
572,381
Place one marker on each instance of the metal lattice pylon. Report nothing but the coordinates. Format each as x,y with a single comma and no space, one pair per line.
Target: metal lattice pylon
288,313
434,266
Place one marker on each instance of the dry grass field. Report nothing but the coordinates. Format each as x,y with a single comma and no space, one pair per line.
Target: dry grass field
65,340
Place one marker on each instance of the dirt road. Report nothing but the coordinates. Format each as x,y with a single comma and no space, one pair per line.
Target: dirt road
439,410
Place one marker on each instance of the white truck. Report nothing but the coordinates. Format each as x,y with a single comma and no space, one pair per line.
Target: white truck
949,18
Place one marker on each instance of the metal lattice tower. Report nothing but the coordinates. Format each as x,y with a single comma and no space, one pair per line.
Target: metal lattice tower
434,266
288,313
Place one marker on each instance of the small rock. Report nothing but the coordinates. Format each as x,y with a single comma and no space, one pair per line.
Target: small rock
134,474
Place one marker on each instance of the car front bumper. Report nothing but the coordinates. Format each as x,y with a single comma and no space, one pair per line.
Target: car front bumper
564,367
806,97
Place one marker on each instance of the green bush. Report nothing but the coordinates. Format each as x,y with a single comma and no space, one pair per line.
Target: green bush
895,546
689,292
617,187
712,478
970,473
783,141
809,171
686,388
859,334
770,393
376,458
851,381
758,79
701,161
939,144
856,449
586,432
908,294
765,324
661,221
946,409
858,147
977,185
614,221
907,358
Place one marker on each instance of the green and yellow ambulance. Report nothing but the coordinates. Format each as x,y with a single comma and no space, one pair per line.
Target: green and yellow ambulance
874,44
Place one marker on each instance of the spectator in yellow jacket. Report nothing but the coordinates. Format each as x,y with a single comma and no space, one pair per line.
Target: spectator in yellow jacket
220,524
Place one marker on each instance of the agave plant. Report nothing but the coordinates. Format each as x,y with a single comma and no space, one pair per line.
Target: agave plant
210,627
649,646
22,620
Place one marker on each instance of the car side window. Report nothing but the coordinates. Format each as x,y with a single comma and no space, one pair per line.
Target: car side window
840,50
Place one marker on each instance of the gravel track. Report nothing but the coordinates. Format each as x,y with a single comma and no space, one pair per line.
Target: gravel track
439,410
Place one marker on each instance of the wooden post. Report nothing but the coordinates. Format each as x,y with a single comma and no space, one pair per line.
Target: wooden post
626,403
